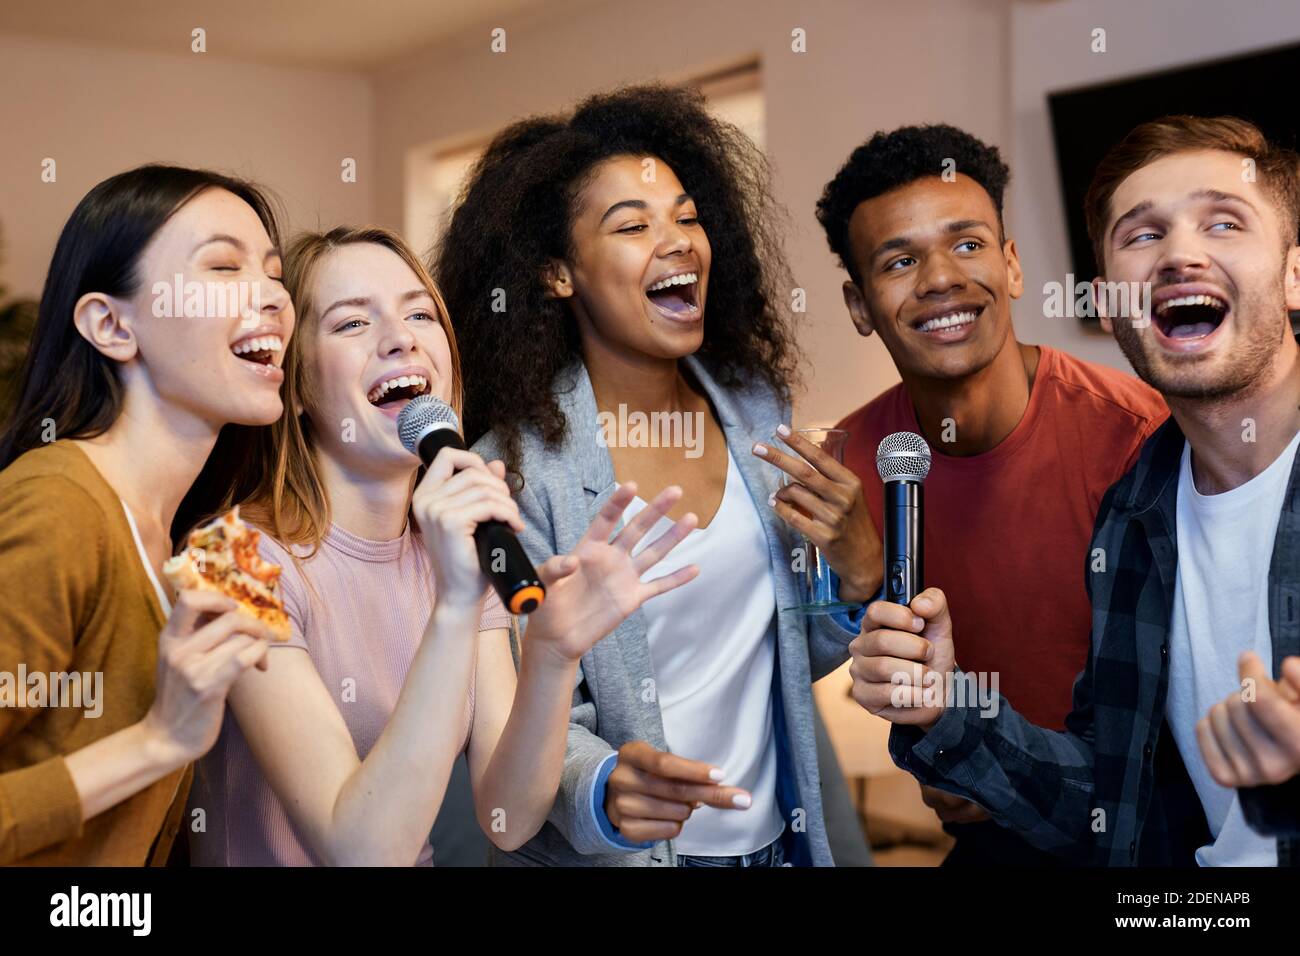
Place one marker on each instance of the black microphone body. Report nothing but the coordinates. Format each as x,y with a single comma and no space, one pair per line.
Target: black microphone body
904,539
500,554
903,462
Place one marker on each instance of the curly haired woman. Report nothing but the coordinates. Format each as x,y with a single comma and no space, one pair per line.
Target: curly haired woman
577,270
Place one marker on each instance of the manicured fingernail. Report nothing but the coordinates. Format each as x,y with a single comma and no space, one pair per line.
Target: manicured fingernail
917,623
783,431
760,449
742,800
717,774
771,500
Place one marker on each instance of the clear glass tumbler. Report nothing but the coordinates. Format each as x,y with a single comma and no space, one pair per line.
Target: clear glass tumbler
809,564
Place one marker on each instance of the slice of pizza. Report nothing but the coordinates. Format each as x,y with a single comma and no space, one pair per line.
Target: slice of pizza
222,556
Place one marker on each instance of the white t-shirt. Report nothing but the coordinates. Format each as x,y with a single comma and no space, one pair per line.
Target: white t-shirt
1225,546
713,645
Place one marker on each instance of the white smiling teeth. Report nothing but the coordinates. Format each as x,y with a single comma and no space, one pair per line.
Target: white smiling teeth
263,343
952,320
686,278
1210,300
402,381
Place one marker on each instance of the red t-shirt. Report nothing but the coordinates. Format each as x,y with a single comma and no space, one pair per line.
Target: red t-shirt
1007,531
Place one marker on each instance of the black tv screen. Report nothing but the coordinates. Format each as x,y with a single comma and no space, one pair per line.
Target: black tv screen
1086,122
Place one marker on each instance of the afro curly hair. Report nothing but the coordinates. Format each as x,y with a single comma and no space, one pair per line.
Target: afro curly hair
515,216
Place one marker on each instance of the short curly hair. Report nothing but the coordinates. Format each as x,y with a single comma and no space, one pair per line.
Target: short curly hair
893,159
515,216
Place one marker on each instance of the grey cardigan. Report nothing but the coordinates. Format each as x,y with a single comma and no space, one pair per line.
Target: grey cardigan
564,488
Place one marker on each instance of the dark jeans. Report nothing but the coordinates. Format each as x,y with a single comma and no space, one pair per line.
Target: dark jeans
770,855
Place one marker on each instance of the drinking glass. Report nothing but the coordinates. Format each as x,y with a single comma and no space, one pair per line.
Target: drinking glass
812,572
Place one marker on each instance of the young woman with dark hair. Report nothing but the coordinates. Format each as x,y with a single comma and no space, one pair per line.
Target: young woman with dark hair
577,269
121,403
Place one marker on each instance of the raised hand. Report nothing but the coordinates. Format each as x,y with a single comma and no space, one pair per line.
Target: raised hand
208,643
825,504
592,589
1251,740
900,666
459,492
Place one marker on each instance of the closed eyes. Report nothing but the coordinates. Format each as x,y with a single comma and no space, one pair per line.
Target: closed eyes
229,268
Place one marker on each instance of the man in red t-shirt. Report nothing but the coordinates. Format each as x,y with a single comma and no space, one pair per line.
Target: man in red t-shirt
1025,439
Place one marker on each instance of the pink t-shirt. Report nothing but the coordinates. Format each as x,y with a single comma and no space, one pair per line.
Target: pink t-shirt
361,620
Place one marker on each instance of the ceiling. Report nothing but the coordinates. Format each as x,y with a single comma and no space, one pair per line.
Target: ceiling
339,34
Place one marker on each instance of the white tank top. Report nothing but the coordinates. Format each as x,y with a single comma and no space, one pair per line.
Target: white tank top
713,644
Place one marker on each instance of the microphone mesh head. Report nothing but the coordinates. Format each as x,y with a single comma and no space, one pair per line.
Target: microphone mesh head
903,456
420,415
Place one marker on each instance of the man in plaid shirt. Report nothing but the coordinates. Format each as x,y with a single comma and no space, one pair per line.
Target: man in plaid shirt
1182,746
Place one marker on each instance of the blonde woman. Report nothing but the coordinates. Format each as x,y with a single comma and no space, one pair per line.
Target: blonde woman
400,658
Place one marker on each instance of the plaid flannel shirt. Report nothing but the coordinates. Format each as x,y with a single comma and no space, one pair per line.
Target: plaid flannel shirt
1111,789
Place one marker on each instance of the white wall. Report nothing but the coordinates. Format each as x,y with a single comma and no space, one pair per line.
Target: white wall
98,110
1050,51
868,66
986,65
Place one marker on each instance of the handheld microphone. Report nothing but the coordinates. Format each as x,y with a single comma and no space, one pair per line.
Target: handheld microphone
426,426
903,461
